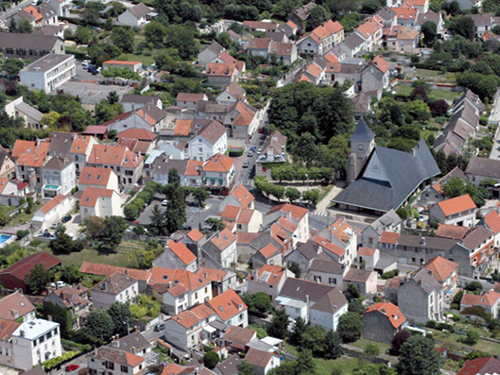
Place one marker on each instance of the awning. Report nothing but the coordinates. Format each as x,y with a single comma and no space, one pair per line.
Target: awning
209,329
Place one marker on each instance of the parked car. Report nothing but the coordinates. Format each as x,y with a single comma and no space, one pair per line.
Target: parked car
66,218
250,153
72,367
164,202
246,164
58,284
159,327
55,225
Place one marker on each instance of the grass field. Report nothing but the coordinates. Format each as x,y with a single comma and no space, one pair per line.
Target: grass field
362,343
434,94
145,60
448,339
4,210
433,76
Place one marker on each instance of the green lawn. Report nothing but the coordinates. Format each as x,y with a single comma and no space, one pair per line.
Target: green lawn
361,343
4,210
433,76
443,94
22,217
145,60
451,339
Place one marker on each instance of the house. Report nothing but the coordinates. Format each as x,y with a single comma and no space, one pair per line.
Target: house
444,271
406,16
262,361
229,366
99,269
127,165
342,234
238,197
421,5
73,298
268,255
7,165
101,178
324,269
480,366
226,58
218,74
314,302
135,16
264,26
322,39
148,117
273,154
134,343
361,104
114,361
375,77
218,173
48,72
178,289
299,15
30,46
468,4
118,287
236,338
52,211
242,219
389,222
132,101
177,255
364,280
241,120
18,108
231,94
13,277
459,211
59,176
230,309
268,279
295,214
489,300
16,306
220,249
421,297
209,53
29,157
480,169
131,139
371,32
382,321
388,16
80,149
37,15
352,45
222,280
34,342
451,231
388,178
62,7
189,171
483,23
96,131
100,202
492,222
430,16
434,193
207,141
278,50
11,192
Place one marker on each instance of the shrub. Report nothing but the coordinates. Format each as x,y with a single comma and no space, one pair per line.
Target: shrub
22,233
390,274
56,362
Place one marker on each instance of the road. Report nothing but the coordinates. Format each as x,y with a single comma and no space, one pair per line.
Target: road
5,15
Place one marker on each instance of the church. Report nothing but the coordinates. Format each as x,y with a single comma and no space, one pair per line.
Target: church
381,178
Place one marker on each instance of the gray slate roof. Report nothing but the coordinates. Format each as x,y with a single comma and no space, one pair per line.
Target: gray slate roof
30,111
362,132
27,41
484,167
299,289
401,173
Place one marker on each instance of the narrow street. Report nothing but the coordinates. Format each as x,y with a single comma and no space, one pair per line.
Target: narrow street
5,15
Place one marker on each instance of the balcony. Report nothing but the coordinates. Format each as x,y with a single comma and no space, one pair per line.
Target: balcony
272,158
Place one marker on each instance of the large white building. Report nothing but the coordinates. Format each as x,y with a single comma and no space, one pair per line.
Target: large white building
49,72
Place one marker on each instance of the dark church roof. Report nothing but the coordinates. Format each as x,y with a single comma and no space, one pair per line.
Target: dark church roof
389,177
362,132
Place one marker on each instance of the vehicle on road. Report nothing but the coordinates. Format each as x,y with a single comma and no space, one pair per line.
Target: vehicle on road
250,153
246,164
72,367
66,218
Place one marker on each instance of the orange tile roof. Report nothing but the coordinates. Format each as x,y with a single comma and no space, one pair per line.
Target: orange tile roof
245,115
230,213
227,305
297,212
119,62
223,239
29,147
242,195
95,176
331,58
92,194
80,144
195,235
245,216
189,318
279,234
31,160
341,229
275,274
219,163
414,3
34,12
291,24
440,268
487,299
189,280
405,12
108,270
217,70
136,133
456,205
212,274
369,27
366,251
182,252
451,231
380,63
314,70
193,167
492,220
328,28
389,237
3,184
133,360
287,224
269,250
182,127
113,155
7,328
52,203
227,58
390,310
303,78
327,245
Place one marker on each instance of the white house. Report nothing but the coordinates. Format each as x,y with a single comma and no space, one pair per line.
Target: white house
113,361
100,202
52,211
220,249
210,140
238,197
115,288
262,361
297,215
177,255
59,176
230,309
136,16
460,211
18,108
62,7
218,172
49,72
102,178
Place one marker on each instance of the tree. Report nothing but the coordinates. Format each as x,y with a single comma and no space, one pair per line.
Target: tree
63,243
216,224
333,347
158,221
37,279
439,107
24,26
99,324
70,274
107,233
120,313
472,337
429,29
83,35
245,368
13,25
305,363
200,195
182,39
295,268
298,330
279,324
292,194
399,339
418,357
210,360
370,6
314,338
350,326
356,306
371,349
113,97
91,13
155,34
317,17
123,38
312,196
61,315
418,110
353,291
50,119
475,287
176,209
463,26
258,303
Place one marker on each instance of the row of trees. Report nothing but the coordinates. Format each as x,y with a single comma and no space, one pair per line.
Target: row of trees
311,196
290,172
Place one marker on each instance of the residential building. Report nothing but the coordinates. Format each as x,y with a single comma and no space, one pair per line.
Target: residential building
341,234
367,257
222,280
264,26
231,94
99,269
299,15
218,173
353,45
11,192
177,255
49,72
364,280
209,140
430,16
241,219
62,7
30,46
230,309
262,361
135,66
7,165
52,211
220,249
444,271
118,287
241,120
189,171
295,214
134,343
375,77
382,321
268,255
100,202
59,176
238,197
421,5
406,16
16,306
451,231
492,222
468,4
218,74
371,32
101,178
207,54
148,117
133,101
434,193
389,222
323,269
7,328
51,30
235,338
480,169
140,141
18,108
489,300
178,289
29,157
80,150
480,366
421,297
73,298
459,211
14,276
273,154
229,366
322,39
268,279
114,361
135,16
483,23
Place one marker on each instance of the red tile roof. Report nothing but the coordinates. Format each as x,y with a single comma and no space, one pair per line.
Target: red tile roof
451,231
392,312
15,305
30,147
119,62
269,250
95,176
230,213
7,328
108,270
219,70
195,235
20,269
52,203
487,299
480,366
113,155
227,305
182,127
193,316
97,129
440,268
188,97
297,212
135,133
92,194
223,239
327,245
456,205
186,279
182,252
80,144
381,63
493,221
212,274
389,238
366,251
242,195
406,13
270,274
328,28
219,163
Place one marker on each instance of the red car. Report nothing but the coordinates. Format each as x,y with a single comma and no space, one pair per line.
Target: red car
72,368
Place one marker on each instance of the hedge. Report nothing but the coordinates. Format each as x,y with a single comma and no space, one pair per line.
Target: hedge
390,274
68,345
58,361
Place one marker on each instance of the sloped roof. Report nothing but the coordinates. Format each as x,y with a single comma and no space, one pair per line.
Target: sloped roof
329,246
492,221
362,133
297,212
182,252
242,195
451,231
219,163
391,311
108,270
20,269
15,305
92,194
140,10
114,284
239,334
483,167
95,176
227,305
488,299
117,356
258,358
136,133
80,144
480,366
440,268
50,205
456,205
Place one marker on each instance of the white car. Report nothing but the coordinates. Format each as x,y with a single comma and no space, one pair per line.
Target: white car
58,284
164,202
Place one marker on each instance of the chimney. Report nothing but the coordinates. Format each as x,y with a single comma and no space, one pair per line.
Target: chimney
205,275
136,329
126,271
116,342
49,317
133,350
23,333
95,351
422,241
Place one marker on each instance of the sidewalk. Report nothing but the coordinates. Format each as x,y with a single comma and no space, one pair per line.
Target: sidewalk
326,201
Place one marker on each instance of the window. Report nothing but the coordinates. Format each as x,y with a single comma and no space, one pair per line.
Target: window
196,295
124,368
110,365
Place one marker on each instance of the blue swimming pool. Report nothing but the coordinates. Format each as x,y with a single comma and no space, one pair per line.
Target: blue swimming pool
4,237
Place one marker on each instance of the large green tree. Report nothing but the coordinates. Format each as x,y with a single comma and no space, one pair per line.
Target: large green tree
279,325
350,326
37,279
418,357
429,29
463,26
123,38
176,209
121,315
99,324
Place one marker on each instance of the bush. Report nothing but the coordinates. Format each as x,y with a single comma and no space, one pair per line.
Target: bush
235,153
58,361
390,274
471,338
431,324
22,233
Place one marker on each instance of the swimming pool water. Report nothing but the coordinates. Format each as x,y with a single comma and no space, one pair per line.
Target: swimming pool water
4,237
